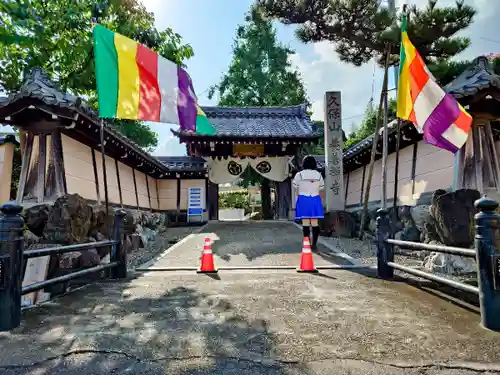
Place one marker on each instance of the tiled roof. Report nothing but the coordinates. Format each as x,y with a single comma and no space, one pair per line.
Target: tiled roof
10,138
478,77
183,163
262,122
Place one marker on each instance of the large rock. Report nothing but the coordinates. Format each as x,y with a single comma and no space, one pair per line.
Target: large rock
336,223
453,216
36,218
131,220
420,215
69,221
449,264
102,221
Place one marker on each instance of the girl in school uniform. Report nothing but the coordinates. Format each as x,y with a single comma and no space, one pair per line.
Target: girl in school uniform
309,207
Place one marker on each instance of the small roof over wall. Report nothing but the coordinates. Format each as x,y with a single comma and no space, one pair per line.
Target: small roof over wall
9,138
183,163
254,123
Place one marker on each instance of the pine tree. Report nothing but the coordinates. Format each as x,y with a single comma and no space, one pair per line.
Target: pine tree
360,29
260,73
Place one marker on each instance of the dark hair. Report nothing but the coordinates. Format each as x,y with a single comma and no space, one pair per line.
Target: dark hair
309,162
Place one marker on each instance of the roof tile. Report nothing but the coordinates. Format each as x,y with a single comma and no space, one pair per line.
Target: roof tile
273,122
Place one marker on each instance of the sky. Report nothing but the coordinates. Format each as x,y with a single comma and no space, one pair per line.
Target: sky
209,26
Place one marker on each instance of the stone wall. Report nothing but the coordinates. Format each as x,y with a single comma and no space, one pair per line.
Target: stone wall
448,220
73,220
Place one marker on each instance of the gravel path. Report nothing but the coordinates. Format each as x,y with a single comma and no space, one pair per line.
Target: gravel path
161,243
365,251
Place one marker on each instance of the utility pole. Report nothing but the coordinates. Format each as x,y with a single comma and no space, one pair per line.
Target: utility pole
391,4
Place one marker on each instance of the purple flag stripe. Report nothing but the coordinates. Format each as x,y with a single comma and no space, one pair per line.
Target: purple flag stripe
440,119
440,142
443,116
186,102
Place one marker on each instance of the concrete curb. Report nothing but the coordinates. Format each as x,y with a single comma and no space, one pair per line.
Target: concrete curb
143,267
340,254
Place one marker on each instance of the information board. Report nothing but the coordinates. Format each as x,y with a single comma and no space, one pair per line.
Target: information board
195,204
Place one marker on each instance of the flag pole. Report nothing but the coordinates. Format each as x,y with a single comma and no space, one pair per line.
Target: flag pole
398,142
103,159
385,145
375,142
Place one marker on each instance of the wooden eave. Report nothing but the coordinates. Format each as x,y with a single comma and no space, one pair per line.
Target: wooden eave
185,137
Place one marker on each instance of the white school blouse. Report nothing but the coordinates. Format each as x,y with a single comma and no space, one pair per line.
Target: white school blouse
308,182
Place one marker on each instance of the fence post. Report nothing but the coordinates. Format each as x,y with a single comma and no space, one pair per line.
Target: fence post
385,251
118,253
11,265
487,257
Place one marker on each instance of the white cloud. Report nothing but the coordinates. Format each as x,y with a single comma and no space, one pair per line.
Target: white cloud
327,73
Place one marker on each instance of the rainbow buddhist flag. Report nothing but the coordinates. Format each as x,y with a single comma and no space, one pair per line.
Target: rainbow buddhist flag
135,83
422,101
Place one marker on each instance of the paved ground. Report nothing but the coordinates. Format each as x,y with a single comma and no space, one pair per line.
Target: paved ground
247,244
250,322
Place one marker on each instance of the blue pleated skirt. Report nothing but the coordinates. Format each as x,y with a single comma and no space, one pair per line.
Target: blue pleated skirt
309,207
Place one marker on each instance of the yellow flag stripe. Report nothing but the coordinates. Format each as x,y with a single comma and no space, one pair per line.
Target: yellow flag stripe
128,78
404,101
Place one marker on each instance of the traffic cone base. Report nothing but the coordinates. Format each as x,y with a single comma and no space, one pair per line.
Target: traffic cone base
207,258
306,261
201,271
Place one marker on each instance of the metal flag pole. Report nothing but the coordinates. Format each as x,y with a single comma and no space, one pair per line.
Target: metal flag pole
104,175
398,140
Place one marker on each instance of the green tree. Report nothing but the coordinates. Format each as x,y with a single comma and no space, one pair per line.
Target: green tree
260,74
369,123
56,35
360,29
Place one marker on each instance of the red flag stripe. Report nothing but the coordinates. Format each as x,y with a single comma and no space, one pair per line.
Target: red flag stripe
149,91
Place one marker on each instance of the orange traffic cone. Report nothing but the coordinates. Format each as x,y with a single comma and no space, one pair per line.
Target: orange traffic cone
207,258
306,261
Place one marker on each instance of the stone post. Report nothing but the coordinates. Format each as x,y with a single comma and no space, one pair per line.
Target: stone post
7,145
488,262
11,265
334,176
118,251
385,251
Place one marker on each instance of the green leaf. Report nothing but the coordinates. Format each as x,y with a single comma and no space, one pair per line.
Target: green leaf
56,35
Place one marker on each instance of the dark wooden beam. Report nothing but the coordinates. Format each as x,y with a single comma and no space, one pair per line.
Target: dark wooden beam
149,195
27,151
119,183
413,168
362,185
178,199
157,192
42,164
135,188
96,176
59,172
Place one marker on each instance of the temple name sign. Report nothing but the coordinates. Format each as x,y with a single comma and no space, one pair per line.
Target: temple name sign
334,174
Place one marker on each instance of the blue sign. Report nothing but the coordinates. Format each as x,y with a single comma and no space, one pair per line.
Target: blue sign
195,203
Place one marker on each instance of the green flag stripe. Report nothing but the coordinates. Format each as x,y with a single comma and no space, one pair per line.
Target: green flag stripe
106,71
204,126
402,54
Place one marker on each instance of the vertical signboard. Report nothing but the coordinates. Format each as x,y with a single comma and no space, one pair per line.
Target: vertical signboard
195,204
334,174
